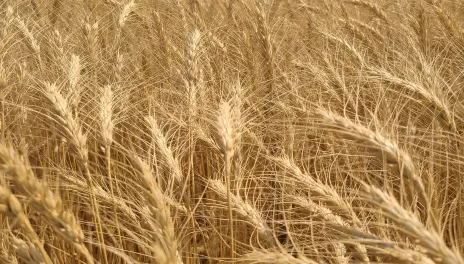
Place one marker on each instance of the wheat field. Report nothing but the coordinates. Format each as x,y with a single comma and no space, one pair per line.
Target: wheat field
231,131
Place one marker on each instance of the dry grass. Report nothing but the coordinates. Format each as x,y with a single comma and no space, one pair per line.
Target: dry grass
138,131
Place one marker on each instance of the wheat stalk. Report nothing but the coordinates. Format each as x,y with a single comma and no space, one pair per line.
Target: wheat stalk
319,190
330,217
161,142
73,131
445,117
244,210
166,245
394,156
371,7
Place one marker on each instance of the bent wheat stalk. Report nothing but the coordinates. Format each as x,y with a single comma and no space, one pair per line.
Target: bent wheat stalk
170,160
408,224
319,190
166,244
331,218
245,211
445,117
73,131
381,146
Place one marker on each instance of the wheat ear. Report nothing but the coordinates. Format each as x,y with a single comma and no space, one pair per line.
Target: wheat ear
326,194
246,211
408,224
193,73
123,17
102,195
319,190
43,200
371,7
28,252
329,217
126,10
107,126
445,19
445,117
74,75
264,33
166,45
73,131
11,207
166,245
171,161
32,42
383,247
225,135
381,146
91,36
7,22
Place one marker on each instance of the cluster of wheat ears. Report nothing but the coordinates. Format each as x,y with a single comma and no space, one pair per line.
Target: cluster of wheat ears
231,131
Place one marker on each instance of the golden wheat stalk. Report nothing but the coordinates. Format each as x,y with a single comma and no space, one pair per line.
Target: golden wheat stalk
434,100
408,224
395,157
72,130
244,209
319,190
330,218
170,160
166,245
